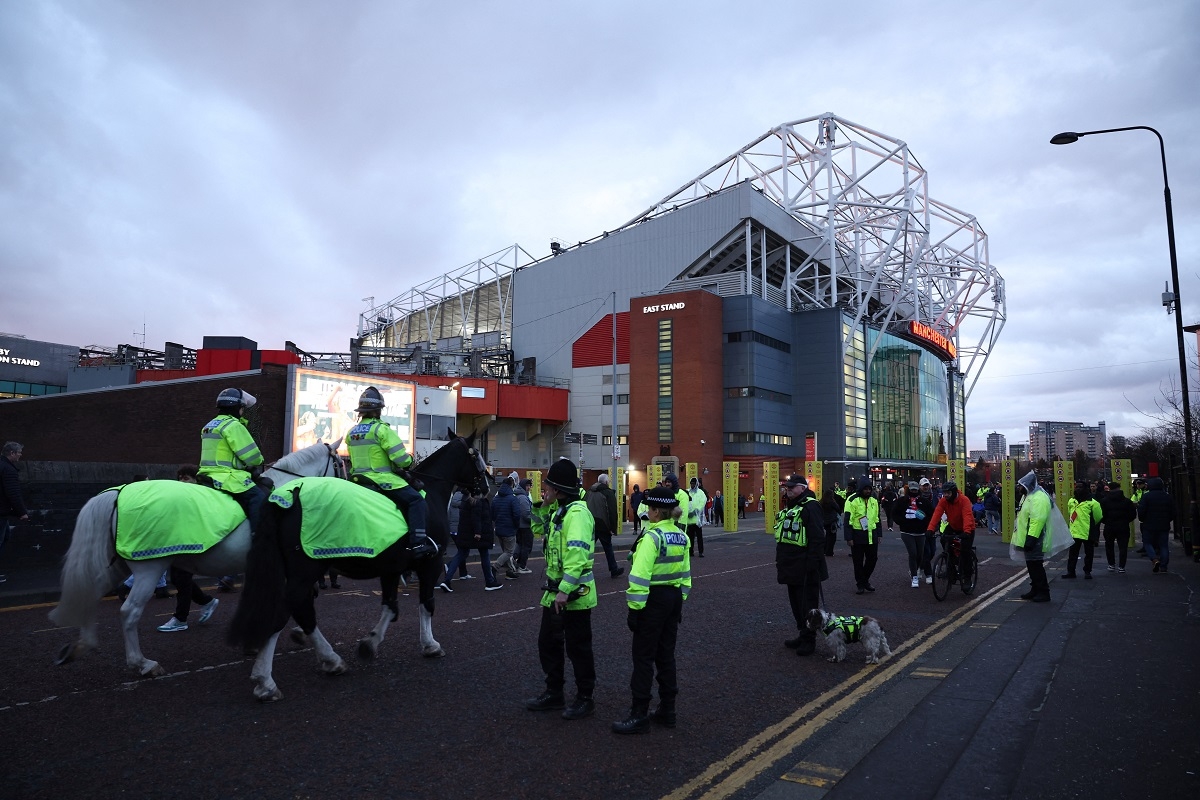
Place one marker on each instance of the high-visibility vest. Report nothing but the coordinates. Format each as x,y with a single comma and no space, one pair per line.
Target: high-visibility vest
660,558
569,547
376,452
226,450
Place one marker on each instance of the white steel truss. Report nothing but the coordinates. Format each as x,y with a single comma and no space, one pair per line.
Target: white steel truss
881,248
473,301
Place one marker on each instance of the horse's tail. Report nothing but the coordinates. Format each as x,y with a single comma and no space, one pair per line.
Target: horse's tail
262,607
89,569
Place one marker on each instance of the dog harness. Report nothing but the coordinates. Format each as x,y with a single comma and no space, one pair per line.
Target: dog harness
851,626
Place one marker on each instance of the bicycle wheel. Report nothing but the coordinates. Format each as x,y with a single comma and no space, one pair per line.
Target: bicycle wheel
941,577
968,585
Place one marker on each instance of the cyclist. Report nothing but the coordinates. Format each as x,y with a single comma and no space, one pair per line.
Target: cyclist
960,518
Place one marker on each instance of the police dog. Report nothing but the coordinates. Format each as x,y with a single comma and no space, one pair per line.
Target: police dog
840,630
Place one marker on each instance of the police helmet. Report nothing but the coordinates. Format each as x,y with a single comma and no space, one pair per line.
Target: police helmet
563,476
234,398
370,400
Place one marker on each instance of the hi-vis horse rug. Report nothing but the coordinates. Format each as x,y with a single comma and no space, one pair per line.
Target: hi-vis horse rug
342,518
165,518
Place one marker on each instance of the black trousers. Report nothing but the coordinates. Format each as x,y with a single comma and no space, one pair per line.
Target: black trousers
187,592
654,644
865,558
569,633
696,535
411,505
1089,552
1037,575
803,597
1119,535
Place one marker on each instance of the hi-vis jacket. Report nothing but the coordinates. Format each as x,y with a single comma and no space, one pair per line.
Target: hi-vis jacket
569,546
695,514
1033,520
1082,516
851,626
660,558
376,452
858,508
226,450
789,525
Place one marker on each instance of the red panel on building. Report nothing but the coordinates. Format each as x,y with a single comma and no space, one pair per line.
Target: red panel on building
278,357
217,362
594,348
533,402
149,375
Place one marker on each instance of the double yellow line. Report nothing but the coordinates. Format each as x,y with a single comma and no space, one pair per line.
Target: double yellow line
727,776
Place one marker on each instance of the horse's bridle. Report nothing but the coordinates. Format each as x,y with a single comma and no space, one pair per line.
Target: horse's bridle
331,457
471,451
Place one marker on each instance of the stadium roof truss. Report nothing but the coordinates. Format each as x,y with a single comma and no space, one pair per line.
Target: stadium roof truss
875,243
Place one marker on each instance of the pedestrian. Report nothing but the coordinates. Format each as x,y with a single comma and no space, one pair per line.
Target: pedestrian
912,511
524,526
887,499
741,506
11,504
475,531
453,515
800,557
635,504
863,511
602,502
1156,510
1084,515
718,509
1119,515
960,519
186,590
659,582
1139,489
831,508
568,597
926,491
1033,535
697,499
683,511
507,520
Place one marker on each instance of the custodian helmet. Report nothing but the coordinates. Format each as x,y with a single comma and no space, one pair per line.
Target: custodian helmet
563,476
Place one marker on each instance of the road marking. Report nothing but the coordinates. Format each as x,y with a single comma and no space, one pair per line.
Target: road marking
810,774
775,742
929,672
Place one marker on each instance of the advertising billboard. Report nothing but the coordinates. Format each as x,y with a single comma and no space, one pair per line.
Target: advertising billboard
321,406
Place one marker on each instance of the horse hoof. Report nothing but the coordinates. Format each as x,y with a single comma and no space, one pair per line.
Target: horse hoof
337,669
366,649
66,655
153,670
268,697
434,652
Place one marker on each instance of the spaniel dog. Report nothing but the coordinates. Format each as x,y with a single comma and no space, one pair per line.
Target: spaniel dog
840,630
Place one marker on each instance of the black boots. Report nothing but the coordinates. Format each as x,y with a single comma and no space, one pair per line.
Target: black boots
421,545
583,706
547,701
665,714
638,720
808,643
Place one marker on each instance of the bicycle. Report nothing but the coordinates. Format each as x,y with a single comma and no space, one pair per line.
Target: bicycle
945,567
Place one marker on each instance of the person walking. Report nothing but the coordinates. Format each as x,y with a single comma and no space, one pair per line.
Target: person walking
800,557
831,508
11,504
475,532
863,513
453,517
912,511
719,509
660,578
635,504
568,597
186,589
524,526
887,499
992,507
1033,535
602,502
697,499
1084,515
506,520
1119,514
1156,510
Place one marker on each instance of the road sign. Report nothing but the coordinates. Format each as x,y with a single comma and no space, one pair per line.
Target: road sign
590,438
572,438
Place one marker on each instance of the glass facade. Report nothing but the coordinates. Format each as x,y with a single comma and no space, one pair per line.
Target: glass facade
854,388
910,402
23,389
665,380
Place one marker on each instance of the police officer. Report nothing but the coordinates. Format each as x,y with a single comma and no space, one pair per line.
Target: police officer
569,595
800,556
229,458
1033,535
659,581
377,455
697,499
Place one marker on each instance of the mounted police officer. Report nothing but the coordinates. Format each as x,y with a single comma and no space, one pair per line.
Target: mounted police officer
659,581
800,557
229,458
378,459
568,596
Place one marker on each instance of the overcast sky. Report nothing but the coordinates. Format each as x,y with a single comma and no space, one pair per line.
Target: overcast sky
257,168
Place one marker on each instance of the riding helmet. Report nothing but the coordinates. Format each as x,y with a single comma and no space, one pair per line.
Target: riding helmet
235,398
370,400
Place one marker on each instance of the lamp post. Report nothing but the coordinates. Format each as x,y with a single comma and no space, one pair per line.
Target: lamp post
1070,137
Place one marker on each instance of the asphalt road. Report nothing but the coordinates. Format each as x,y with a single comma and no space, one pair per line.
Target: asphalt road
406,726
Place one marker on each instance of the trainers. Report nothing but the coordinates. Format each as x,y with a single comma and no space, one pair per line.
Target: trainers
618,572
928,579
445,587
467,577
206,611
582,707
547,701
512,574
1120,570
524,571
916,582
1111,568
172,625
493,587
1155,566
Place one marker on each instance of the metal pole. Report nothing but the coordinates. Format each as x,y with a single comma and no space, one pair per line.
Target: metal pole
616,448
1188,444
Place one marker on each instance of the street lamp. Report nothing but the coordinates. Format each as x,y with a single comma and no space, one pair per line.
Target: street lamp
1070,137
